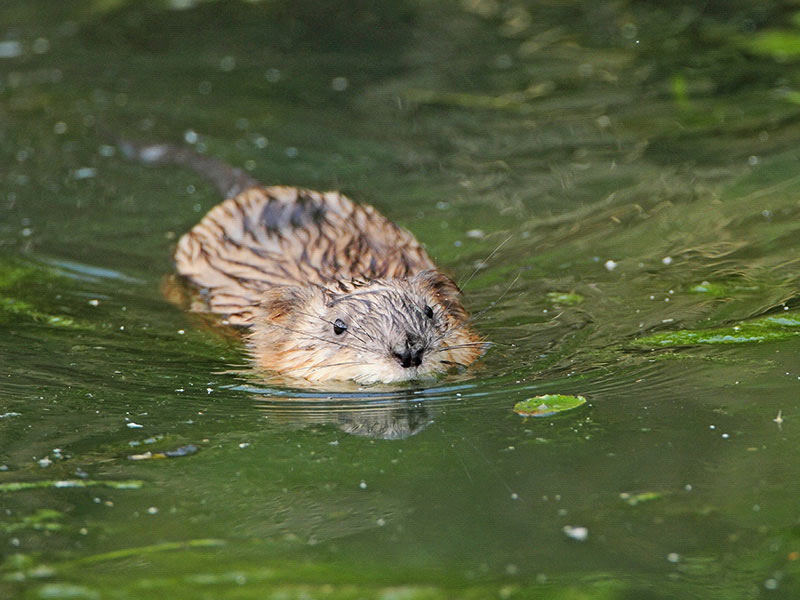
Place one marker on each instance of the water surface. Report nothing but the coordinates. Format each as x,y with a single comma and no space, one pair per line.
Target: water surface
595,175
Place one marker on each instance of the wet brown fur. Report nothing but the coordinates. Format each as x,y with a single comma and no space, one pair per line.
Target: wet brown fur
278,259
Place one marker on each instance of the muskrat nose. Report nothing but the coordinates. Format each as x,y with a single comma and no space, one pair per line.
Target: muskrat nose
410,355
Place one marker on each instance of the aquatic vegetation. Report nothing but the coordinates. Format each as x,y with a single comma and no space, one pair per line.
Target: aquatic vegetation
548,405
19,486
764,329
565,298
44,519
19,282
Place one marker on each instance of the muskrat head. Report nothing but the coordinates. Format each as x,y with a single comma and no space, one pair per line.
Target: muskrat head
368,331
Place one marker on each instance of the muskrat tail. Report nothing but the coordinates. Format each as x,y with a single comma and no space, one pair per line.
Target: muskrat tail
229,180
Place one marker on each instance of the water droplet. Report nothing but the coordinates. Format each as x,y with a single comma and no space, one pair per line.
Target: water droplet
339,84
227,64
10,49
40,45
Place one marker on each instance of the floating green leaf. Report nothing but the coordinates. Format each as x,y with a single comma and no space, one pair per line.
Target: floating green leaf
547,405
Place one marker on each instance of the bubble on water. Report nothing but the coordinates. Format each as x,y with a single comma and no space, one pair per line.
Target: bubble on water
106,150
752,160
60,128
503,61
227,64
291,152
603,121
580,534
204,88
771,584
84,173
272,75
610,265
339,84
190,136
260,142
667,260
40,45
152,510
363,485
673,557
629,31
10,49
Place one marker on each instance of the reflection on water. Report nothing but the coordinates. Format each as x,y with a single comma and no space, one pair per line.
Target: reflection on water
388,415
394,421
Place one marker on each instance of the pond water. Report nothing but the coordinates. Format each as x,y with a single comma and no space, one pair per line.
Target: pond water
614,184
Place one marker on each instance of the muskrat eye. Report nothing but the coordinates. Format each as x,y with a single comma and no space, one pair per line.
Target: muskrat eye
428,312
339,327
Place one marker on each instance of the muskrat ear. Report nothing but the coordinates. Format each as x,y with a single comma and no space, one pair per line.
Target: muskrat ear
444,288
279,302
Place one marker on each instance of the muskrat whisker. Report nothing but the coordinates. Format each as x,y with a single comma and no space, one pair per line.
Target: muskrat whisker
452,363
465,345
316,337
318,367
492,304
483,262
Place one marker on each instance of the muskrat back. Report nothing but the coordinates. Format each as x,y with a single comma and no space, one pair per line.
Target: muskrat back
328,289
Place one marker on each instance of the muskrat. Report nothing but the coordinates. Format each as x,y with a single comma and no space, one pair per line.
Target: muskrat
328,289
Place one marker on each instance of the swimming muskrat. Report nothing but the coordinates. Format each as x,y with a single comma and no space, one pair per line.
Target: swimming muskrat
328,289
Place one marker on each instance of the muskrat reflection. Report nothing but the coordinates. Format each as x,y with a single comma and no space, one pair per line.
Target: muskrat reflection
395,421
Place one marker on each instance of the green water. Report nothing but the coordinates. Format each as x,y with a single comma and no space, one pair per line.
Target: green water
617,187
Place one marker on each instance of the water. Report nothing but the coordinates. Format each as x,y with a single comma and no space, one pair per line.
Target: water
640,160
